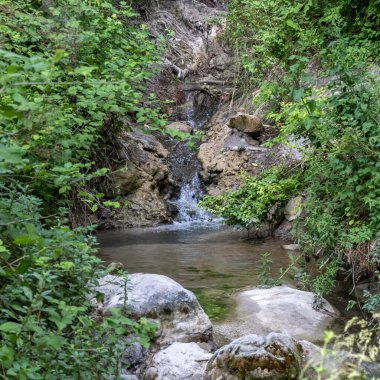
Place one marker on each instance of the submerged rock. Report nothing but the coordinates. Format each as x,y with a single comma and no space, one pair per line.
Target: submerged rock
179,361
291,247
278,309
276,356
159,298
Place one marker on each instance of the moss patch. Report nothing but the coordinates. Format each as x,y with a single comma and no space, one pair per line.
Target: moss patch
213,302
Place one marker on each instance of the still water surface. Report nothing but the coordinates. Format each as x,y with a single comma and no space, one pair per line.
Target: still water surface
212,260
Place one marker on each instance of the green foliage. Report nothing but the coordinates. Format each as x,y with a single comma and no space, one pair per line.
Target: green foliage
249,205
272,38
347,356
372,297
46,275
343,209
71,77
264,269
314,62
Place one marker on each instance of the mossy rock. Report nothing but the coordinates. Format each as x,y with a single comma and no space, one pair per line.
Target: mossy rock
275,356
125,180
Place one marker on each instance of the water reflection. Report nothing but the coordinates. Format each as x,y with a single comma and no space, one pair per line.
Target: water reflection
212,260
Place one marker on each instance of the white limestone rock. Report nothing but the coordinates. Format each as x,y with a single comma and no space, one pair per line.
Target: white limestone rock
278,309
181,361
159,298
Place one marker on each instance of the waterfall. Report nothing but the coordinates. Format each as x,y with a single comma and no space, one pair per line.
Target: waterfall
187,202
185,168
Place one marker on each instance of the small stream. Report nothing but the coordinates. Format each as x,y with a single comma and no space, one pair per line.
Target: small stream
212,260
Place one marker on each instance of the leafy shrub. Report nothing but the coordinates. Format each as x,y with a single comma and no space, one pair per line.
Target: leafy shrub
250,205
341,173
71,77
314,61
46,274
350,355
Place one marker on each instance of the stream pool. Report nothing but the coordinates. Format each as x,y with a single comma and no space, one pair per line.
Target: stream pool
212,260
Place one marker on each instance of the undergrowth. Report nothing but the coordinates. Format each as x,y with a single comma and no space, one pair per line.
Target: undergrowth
316,65
71,77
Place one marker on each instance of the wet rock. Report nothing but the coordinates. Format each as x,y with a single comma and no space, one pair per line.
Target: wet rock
180,127
144,208
265,230
284,231
239,140
145,183
150,374
278,309
249,124
294,208
180,361
162,300
134,356
291,247
276,356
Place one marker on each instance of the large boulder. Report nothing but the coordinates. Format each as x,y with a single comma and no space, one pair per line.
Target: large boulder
294,207
144,183
249,124
159,298
276,356
278,309
179,361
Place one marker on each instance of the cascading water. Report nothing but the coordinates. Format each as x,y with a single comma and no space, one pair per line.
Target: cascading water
185,168
187,203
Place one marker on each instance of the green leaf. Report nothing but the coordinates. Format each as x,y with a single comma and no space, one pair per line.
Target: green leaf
6,356
10,327
293,24
11,154
24,266
53,341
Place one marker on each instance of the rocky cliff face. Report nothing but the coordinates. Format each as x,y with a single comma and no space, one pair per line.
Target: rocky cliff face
197,76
